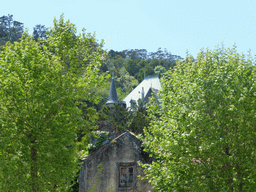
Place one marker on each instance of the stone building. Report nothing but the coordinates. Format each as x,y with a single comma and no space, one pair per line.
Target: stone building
113,166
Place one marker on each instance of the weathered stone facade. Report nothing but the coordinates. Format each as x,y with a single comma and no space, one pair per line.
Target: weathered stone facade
113,166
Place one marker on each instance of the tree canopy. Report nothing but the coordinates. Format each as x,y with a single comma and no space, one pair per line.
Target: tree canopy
40,31
10,30
41,85
130,66
203,133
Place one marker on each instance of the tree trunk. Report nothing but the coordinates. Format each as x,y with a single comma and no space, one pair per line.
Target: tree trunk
34,169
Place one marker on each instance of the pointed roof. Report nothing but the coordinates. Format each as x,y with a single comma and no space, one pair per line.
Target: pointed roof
112,93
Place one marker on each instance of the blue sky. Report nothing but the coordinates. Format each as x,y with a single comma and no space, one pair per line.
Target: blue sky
177,25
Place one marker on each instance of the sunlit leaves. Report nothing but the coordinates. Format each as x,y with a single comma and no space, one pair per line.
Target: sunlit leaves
41,84
202,131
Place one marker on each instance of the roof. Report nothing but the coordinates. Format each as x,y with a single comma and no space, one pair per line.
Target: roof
126,133
144,86
112,93
106,143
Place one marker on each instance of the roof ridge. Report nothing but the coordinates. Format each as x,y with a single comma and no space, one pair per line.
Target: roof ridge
101,147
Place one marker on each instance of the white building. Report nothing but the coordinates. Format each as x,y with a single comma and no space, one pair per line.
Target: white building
143,91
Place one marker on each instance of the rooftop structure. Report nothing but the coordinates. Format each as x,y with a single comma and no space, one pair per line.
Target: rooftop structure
143,91
112,99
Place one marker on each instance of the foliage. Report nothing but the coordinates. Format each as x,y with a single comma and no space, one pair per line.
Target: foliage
137,62
40,31
10,30
138,118
203,133
159,69
41,85
125,119
125,83
101,136
131,67
118,115
102,91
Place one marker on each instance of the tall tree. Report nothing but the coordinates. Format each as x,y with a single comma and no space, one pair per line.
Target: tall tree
40,31
203,132
10,30
39,117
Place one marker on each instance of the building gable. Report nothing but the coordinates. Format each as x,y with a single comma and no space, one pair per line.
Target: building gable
118,160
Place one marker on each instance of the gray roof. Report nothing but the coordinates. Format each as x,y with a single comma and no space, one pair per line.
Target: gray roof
145,86
112,93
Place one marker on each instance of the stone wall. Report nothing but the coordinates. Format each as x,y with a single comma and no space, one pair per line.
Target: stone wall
124,149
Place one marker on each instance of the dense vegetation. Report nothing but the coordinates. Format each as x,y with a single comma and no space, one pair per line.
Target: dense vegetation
51,97
130,66
203,133
41,85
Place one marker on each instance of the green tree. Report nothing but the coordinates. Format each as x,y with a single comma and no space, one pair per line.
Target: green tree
131,66
125,83
39,117
159,70
125,119
117,114
203,132
10,30
138,118
40,31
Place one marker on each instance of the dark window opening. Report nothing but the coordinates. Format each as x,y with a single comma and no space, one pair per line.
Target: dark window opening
126,176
